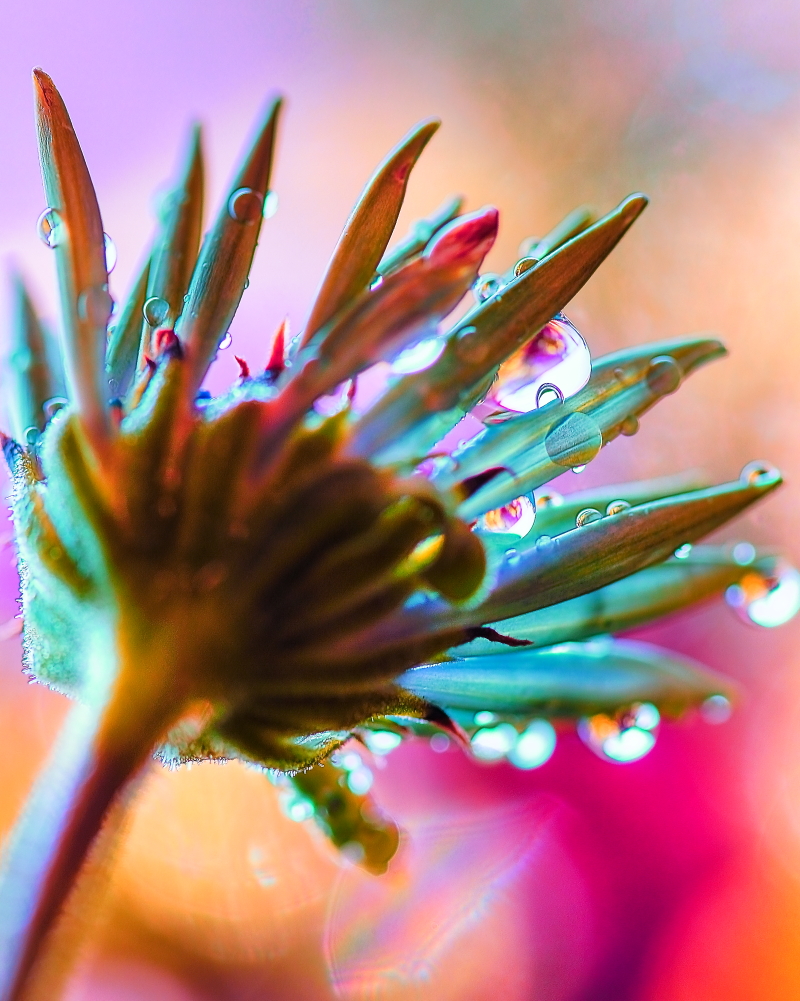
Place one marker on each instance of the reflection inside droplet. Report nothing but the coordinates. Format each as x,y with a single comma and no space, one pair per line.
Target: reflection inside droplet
517,517
486,286
716,709
270,204
534,746
47,226
767,601
628,736
682,552
226,341
557,356
111,252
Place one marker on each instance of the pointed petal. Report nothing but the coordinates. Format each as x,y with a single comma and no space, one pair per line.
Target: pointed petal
175,252
404,424
368,230
80,254
421,233
572,679
537,447
220,275
125,337
36,373
649,594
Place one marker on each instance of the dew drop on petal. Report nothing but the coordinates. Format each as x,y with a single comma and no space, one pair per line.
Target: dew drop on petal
382,741
663,375
511,557
744,553
617,507
111,252
376,282
758,474
682,552
587,516
613,741
534,746
155,311
716,710
548,394
577,470
486,286
245,205
493,743
557,355
767,601
524,264
484,717
95,305
47,226
226,341
270,204
419,356
516,518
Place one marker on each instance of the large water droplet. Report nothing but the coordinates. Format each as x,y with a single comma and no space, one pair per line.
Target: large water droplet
587,516
246,205
155,311
95,305
493,743
625,737
419,356
716,709
270,204
524,264
617,507
47,226
556,355
486,286
767,601
534,746
574,441
111,252
663,375
516,518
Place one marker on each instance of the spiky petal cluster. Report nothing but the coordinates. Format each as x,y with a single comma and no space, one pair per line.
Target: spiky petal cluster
242,577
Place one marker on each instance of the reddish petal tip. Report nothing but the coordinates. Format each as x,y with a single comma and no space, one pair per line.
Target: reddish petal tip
466,239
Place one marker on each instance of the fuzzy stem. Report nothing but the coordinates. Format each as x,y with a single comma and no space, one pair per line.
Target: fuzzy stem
101,748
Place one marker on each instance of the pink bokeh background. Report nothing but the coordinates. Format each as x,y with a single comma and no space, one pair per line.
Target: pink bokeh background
676,877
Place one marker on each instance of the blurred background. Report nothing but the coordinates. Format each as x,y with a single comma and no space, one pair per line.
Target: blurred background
676,877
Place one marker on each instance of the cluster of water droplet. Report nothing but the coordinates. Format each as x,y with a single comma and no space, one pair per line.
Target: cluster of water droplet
590,514
495,741
766,601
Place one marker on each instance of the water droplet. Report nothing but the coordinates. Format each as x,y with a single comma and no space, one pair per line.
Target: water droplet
484,718
440,743
716,709
48,227
629,426
587,516
663,375
557,356
534,746
226,342
574,441
382,741
543,540
548,394
617,507
419,356
486,286
577,470
767,601
549,499
646,716
614,739
270,204
682,552
349,760
516,518
155,311
111,253
512,557
297,808
360,780
523,265
744,553
493,743
246,284
246,205
31,436
53,405
759,474
94,306
376,282
472,345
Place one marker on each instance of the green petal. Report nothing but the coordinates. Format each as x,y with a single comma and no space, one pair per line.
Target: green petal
421,233
220,274
125,337
572,679
368,230
534,448
405,423
571,225
649,594
36,374
80,255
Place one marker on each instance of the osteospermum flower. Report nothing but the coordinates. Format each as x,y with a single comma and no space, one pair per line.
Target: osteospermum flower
253,576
